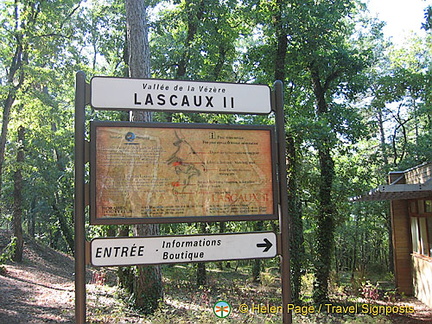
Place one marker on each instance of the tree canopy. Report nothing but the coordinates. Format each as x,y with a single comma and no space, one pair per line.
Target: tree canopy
356,107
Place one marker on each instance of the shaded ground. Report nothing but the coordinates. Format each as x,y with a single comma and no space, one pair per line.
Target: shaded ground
41,290
422,313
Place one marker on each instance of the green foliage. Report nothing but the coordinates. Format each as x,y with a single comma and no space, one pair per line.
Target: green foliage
9,251
197,40
375,118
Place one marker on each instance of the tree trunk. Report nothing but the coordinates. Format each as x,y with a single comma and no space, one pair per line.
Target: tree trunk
390,242
65,227
353,263
4,131
201,274
195,12
325,221
294,205
31,228
14,81
125,274
138,48
282,42
15,69
17,197
297,251
59,200
147,284
385,159
222,229
325,226
201,267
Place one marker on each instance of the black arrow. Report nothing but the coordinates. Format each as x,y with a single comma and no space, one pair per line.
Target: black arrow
267,245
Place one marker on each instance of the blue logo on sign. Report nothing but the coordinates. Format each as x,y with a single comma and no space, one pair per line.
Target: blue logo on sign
130,137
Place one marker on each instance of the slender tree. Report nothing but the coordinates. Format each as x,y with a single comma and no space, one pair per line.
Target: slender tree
18,199
34,35
296,243
15,75
147,284
319,34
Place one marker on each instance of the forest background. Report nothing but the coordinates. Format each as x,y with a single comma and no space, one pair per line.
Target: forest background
356,108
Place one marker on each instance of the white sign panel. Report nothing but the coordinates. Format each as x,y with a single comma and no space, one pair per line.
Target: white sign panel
181,249
181,96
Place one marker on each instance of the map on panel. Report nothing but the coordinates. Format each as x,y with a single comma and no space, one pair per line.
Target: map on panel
176,172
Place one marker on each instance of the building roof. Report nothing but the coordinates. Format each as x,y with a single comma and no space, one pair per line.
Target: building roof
409,184
396,192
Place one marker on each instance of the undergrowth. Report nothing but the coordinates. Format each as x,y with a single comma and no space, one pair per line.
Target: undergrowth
186,302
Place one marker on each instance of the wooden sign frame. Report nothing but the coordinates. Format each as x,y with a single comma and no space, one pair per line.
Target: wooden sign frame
83,97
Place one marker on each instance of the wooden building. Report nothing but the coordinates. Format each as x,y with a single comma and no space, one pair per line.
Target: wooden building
410,196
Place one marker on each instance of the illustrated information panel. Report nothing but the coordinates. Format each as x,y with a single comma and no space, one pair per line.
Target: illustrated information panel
159,172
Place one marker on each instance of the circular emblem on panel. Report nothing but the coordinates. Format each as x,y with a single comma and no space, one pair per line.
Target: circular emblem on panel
130,137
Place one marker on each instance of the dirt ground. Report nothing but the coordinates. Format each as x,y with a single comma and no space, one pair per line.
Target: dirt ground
41,290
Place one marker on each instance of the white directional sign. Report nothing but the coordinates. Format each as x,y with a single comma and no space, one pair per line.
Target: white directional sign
180,249
174,95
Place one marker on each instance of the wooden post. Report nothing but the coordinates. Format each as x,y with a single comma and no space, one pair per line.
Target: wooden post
278,106
79,212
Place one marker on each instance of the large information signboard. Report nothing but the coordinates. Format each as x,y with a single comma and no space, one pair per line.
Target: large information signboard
155,173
